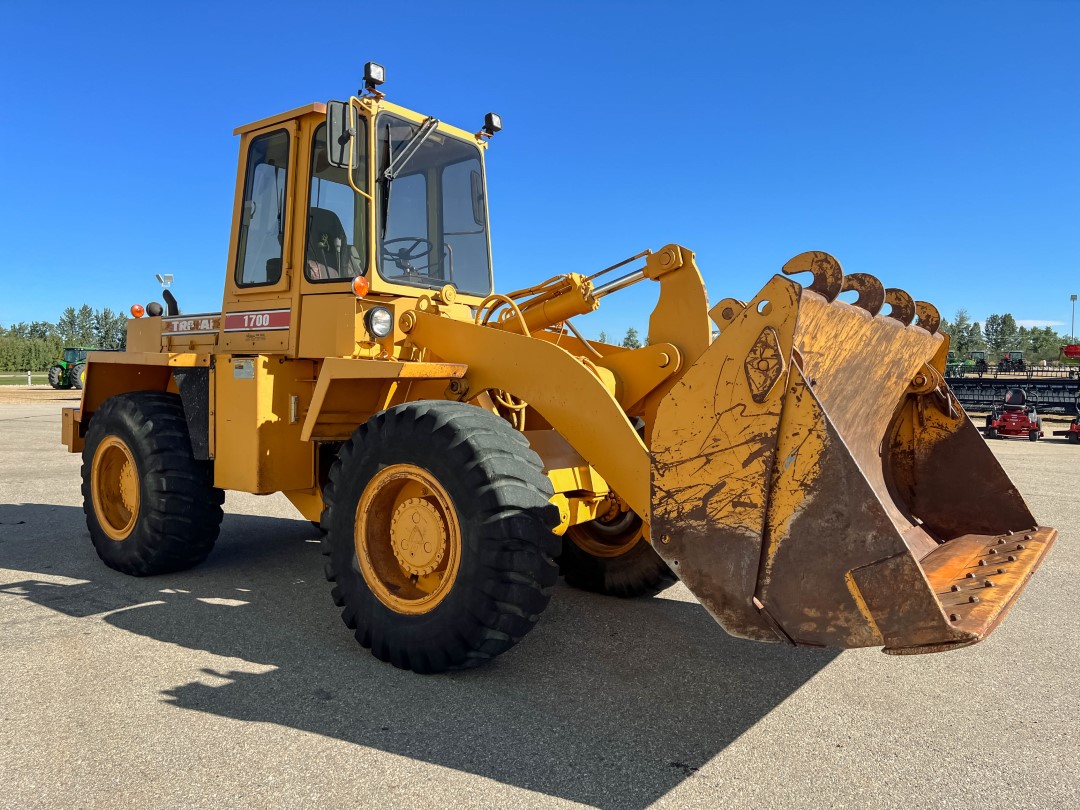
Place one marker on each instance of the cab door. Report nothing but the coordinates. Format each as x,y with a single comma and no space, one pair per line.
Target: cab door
258,312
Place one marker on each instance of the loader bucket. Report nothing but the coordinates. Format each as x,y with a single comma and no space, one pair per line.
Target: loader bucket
815,482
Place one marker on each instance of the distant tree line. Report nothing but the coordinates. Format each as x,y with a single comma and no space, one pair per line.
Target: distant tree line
37,345
631,341
1001,334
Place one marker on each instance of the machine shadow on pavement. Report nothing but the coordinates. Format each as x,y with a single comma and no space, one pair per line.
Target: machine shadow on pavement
603,697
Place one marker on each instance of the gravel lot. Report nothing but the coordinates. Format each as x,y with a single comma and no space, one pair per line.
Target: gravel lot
236,684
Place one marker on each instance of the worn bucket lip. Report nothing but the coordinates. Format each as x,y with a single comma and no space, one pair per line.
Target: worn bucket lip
1030,548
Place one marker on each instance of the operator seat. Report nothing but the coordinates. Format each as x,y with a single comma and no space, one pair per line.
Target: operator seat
328,253
1015,399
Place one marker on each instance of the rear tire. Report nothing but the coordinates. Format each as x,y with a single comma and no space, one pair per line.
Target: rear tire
56,377
477,569
78,375
151,508
613,562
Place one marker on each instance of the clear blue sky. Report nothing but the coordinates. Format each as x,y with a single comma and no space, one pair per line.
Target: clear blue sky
934,144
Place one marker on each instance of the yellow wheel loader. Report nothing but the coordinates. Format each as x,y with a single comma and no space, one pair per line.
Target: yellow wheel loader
796,460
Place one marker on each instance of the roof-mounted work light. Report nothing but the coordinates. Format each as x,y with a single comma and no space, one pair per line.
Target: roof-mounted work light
374,75
492,123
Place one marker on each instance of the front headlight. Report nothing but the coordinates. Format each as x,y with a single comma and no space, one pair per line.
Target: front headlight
379,321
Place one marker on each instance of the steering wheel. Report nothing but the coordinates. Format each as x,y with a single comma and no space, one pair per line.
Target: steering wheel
403,257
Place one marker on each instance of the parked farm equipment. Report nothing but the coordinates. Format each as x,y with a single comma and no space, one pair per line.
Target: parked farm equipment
1015,416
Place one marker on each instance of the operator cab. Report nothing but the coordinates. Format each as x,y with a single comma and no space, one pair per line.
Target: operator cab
351,200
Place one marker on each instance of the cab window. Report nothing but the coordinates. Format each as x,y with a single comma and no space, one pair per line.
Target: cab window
262,213
336,234
431,210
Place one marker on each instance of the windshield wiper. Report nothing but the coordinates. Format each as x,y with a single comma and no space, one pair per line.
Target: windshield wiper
397,164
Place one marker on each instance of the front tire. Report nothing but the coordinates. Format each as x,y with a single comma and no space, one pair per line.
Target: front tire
1033,435
56,377
613,558
151,508
440,535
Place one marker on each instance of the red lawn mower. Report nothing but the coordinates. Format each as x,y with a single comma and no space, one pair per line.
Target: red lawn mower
1073,433
1013,417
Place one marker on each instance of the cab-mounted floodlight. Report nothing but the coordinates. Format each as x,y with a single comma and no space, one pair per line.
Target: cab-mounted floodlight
374,75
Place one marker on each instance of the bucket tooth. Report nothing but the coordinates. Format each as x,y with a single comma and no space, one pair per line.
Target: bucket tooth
828,275
903,305
929,317
871,291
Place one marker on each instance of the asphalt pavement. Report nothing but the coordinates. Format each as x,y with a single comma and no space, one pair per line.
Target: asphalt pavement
236,684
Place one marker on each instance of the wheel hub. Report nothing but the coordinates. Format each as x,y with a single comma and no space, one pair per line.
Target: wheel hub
417,536
129,486
115,488
407,539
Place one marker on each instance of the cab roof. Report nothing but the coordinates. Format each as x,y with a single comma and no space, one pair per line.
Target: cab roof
316,107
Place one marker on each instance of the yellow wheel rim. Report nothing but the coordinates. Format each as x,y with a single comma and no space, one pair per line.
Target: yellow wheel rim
611,535
114,487
407,538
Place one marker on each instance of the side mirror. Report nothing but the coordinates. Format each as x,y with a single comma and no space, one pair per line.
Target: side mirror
340,135
477,197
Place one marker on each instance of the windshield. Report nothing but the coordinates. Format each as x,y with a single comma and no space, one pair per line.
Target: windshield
432,215
74,355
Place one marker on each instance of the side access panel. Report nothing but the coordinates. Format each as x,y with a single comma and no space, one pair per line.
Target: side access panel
259,406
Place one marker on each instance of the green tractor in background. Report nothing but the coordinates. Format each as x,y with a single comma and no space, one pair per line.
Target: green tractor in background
954,366
976,362
70,370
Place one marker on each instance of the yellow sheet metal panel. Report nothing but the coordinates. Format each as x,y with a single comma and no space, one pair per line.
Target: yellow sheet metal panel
143,335
257,446
330,326
350,390
149,358
69,432
119,373
308,502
